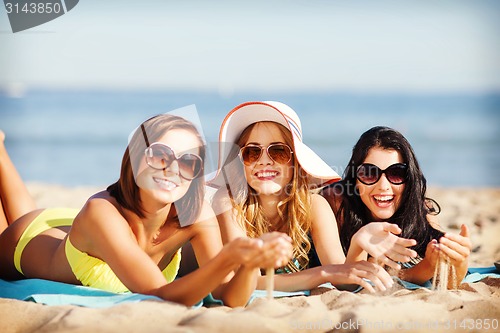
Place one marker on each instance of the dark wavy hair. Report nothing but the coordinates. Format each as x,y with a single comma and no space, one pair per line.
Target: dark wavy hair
411,216
126,191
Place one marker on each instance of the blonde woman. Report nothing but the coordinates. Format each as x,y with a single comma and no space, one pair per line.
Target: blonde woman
266,177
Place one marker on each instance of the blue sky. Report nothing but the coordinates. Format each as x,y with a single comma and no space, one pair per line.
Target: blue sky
231,46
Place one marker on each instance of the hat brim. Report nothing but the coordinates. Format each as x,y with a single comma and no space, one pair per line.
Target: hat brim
318,171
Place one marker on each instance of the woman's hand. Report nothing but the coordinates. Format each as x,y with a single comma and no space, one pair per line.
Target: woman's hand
456,248
432,253
380,241
276,251
357,272
270,250
453,248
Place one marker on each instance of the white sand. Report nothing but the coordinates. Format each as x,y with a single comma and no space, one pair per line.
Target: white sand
326,310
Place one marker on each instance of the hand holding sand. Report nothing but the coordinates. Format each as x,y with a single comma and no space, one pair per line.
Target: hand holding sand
276,252
453,253
270,250
456,247
281,244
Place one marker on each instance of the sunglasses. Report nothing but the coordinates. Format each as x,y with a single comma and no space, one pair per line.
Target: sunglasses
278,152
369,174
160,157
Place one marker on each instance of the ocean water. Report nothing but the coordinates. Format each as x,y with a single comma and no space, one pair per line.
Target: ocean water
78,137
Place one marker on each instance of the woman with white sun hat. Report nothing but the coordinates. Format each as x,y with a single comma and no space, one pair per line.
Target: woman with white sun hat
265,178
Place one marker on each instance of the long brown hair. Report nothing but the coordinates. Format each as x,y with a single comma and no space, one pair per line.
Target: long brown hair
126,191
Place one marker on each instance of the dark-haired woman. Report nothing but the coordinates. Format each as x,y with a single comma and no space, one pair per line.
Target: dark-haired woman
381,204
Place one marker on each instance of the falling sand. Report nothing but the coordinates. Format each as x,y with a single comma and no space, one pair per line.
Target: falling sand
445,275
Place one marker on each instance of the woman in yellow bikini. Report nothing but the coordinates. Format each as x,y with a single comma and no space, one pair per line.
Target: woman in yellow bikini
128,237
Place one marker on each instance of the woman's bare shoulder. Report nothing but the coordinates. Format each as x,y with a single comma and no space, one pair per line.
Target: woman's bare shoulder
318,200
100,202
98,217
101,208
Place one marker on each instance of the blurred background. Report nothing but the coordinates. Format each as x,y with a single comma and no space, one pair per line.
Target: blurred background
72,90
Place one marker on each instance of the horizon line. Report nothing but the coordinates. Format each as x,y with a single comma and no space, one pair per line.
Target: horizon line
19,90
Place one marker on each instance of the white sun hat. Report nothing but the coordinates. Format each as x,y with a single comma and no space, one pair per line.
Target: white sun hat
242,116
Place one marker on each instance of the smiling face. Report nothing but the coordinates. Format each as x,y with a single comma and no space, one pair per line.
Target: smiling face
382,198
266,176
167,186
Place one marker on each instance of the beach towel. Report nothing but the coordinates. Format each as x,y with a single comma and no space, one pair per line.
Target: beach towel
58,293
474,274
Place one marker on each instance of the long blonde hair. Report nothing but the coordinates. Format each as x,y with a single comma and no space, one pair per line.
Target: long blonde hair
294,210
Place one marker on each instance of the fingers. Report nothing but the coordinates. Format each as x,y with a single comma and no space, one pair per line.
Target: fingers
405,242
269,259
388,262
432,248
272,250
278,247
462,240
365,284
396,253
392,228
401,252
454,256
432,252
464,231
396,230
457,248
376,274
365,274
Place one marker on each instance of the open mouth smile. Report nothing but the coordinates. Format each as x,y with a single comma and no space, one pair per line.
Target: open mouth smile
383,200
266,175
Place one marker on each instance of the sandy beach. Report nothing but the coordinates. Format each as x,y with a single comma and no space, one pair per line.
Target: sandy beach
473,307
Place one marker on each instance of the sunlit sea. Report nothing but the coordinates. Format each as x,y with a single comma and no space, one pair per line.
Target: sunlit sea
78,137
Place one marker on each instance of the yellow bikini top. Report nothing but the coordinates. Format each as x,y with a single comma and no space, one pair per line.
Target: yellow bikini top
90,271
94,272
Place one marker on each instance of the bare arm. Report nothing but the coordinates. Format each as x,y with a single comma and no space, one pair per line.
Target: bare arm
325,233
313,277
354,273
109,238
235,289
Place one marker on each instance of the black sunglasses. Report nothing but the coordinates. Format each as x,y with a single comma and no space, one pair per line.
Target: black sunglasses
369,174
278,152
160,156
